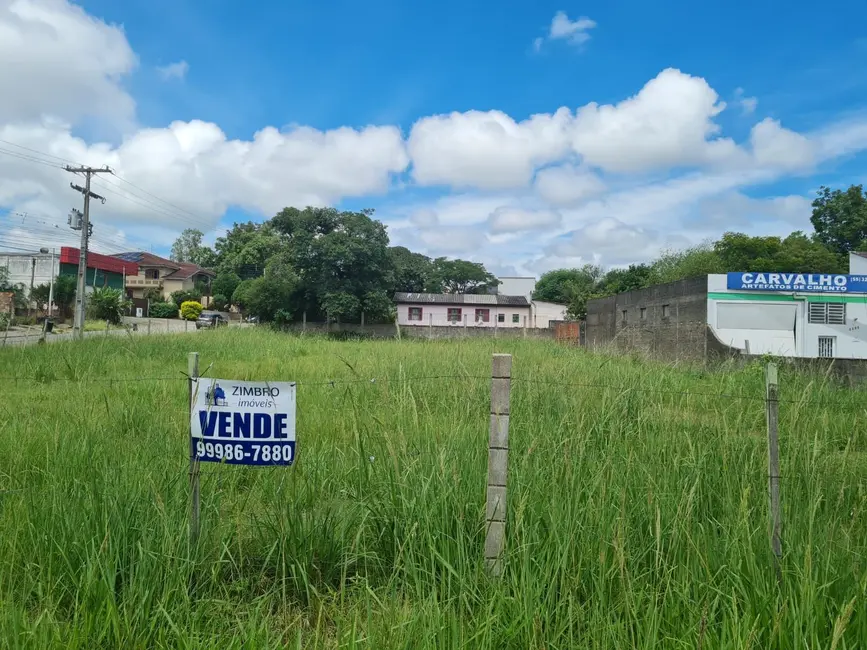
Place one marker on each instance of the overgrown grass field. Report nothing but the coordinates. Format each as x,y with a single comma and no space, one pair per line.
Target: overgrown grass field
638,507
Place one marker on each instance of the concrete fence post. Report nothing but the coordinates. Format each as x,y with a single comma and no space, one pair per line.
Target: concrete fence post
362,321
772,406
149,325
304,321
498,462
430,326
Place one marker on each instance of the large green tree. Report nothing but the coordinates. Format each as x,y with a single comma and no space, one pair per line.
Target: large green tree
413,272
840,218
692,262
341,259
796,253
188,248
245,250
562,285
460,276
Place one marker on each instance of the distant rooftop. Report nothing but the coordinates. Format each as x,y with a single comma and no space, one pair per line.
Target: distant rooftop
461,299
181,270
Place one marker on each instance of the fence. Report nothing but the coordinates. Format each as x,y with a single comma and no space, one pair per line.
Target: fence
502,409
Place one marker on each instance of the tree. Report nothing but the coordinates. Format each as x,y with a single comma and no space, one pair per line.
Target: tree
840,218
460,276
225,284
188,248
797,253
561,285
412,271
341,260
219,302
691,262
246,249
636,276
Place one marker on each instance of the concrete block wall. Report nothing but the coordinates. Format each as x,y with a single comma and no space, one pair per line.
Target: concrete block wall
667,321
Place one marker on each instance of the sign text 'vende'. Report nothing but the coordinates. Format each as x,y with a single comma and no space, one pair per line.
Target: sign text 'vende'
243,423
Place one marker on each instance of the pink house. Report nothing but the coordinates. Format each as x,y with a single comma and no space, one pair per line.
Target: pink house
462,310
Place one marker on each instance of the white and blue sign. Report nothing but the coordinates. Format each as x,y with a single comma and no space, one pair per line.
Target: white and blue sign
798,282
243,422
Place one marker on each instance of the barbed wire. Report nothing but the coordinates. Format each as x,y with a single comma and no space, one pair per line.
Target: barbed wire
518,380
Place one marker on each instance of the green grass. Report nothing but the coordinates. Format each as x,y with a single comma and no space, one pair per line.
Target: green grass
638,513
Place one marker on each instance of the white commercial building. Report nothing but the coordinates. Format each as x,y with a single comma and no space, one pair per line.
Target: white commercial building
791,314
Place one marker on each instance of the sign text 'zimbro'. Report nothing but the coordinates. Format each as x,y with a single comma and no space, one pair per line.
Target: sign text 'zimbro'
797,282
243,422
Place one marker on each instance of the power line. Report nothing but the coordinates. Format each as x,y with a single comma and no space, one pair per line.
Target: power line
32,159
36,151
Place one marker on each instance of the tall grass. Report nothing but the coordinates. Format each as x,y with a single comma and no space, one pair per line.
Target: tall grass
638,506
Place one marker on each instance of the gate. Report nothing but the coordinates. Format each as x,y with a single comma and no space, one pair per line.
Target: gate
567,332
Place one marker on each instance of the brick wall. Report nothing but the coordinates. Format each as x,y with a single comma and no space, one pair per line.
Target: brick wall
667,321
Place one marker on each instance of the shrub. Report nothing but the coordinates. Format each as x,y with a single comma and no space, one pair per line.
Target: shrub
163,310
219,302
180,297
108,304
191,309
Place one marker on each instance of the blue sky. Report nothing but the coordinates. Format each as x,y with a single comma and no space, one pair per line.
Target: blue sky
677,121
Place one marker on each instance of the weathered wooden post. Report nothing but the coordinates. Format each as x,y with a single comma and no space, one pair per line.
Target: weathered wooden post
193,372
498,462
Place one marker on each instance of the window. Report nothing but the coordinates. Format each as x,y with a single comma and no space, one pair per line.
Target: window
501,318
623,316
454,314
666,311
483,315
415,313
827,313
826,347
516,318
152,274
643,313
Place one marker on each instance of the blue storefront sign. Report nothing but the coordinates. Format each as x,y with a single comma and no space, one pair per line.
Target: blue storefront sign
798,282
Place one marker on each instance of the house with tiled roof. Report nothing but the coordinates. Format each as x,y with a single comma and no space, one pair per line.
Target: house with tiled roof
164,275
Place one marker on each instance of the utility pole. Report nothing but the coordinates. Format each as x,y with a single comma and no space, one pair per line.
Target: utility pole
80,300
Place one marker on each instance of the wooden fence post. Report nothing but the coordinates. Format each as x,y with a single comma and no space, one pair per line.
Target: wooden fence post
773,414
193,372
149,325
498,462
430,326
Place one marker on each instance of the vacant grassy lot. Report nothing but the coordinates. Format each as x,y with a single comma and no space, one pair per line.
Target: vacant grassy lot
638,506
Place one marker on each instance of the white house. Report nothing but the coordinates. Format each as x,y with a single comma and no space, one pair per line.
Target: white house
462,310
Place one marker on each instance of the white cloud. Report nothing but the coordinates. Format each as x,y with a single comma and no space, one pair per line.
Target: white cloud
575,32
177,70
748,104
513,220
776,147
567,185
56,60
669,123
612,183
488,150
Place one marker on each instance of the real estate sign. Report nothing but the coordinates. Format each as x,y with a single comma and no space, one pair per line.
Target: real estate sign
243,422
797,282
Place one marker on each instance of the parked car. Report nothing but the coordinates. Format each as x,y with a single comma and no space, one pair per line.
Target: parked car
210,319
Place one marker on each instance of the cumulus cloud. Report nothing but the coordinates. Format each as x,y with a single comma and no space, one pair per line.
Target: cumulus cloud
513,219
177,70
56,60
610,182
487,150
565,185
575,32
668,123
